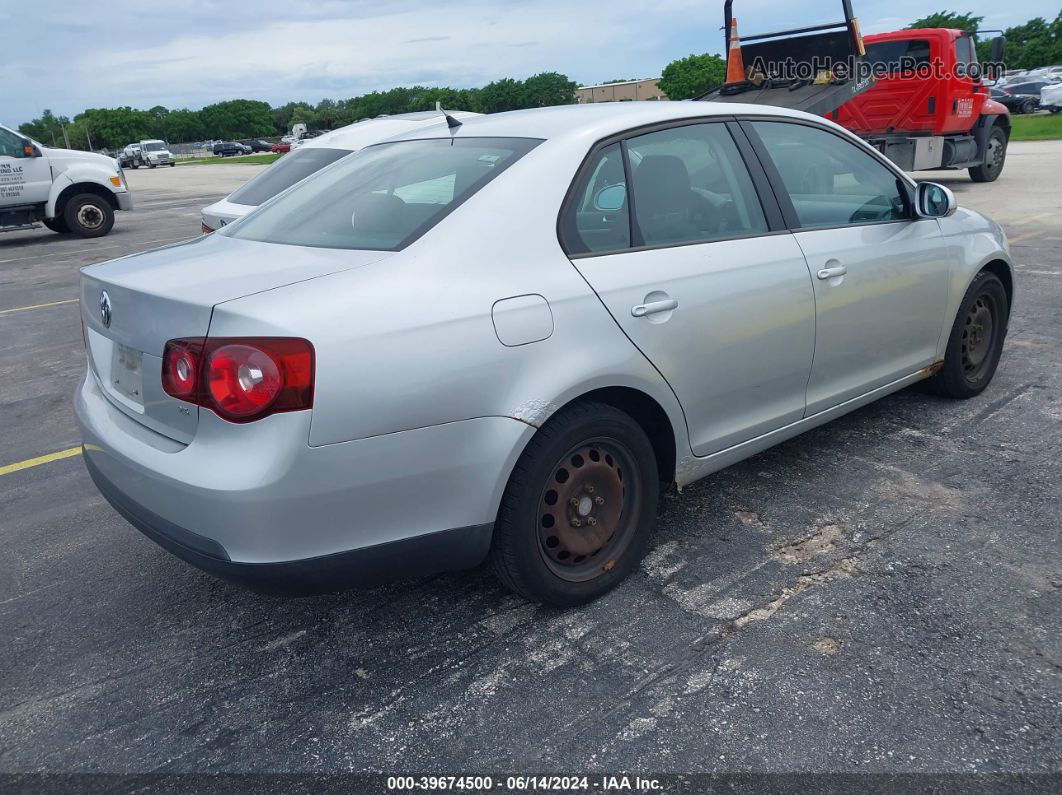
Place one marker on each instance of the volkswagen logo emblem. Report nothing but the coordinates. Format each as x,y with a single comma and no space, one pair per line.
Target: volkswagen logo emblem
105,309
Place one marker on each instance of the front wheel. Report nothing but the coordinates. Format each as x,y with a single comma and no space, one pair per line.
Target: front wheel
89,215
57,224
579,506
995,154
976,340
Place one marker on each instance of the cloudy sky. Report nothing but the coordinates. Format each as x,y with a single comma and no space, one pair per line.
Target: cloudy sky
67,56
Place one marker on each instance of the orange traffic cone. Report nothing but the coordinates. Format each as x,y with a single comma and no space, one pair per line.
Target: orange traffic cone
735,69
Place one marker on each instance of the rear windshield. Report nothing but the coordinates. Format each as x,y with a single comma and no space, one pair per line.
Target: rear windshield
282,175
384,197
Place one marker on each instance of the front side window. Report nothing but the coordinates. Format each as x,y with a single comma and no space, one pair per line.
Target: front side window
385,196
11,144
830,181
689,184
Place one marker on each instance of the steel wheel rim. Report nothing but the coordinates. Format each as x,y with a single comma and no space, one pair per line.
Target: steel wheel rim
587,510
992,157
89,216
979,337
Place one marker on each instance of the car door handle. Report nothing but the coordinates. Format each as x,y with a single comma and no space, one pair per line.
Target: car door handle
653,307
829,273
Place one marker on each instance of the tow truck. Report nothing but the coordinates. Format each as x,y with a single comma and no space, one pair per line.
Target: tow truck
917,96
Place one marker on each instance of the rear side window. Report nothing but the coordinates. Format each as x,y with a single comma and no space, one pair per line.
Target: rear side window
291,168
385,196
690,184
830,181
598,220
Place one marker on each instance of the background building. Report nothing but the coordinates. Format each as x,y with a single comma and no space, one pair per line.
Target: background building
628,90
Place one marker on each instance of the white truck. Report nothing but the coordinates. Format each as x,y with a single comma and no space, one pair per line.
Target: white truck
150,153
68,191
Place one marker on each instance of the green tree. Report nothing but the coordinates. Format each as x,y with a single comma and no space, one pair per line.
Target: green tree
548,88
948,19
500,95
237,118
692,76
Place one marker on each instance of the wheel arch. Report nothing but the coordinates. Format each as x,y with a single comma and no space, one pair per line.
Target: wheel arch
83,187
644,409
1002,270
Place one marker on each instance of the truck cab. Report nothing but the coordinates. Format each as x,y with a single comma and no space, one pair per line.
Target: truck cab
67,190
929,106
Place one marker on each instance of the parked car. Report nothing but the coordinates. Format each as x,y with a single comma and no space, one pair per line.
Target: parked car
258,145
1051,97
314,153
280,148
389,376
230,149
1021,97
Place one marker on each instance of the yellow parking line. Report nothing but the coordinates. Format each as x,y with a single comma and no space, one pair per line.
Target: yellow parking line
37,306
41,459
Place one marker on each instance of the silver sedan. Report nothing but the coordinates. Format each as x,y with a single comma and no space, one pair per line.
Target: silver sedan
501,339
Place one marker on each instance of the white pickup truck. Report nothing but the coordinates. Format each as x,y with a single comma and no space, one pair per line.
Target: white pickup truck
67,190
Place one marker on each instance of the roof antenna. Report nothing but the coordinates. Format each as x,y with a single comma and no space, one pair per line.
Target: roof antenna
451,122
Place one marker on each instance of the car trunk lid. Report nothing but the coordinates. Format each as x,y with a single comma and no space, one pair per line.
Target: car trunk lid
132,306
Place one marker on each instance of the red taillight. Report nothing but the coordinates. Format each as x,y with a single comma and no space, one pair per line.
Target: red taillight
180,368
206,229
240,379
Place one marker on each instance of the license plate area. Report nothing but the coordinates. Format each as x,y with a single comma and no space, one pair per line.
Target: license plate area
127,373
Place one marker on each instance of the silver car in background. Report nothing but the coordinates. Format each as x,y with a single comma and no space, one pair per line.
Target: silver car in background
499,340
311,156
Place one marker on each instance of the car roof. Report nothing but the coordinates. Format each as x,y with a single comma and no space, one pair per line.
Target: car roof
594,121
371,131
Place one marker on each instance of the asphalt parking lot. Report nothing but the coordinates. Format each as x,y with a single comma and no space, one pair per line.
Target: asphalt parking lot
881,594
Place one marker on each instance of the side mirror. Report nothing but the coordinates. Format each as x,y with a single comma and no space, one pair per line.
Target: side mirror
29,149
611,198
996,48
934,201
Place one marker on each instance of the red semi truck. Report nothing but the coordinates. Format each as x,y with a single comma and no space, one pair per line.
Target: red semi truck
915,95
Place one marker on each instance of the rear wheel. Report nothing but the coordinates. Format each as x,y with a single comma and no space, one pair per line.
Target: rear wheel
89,215
976,340
580,504
995,155
1028,106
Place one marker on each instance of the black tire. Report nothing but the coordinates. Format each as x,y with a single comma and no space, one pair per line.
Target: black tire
173,164
88,215
57,224
1028,106
994,156
588,453
973,352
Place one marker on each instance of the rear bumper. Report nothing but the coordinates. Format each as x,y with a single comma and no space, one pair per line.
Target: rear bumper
445,550
256,504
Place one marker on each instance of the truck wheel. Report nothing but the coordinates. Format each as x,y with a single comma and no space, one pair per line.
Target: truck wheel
995,155
578,509
976,340
174,163
89,215
57,224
